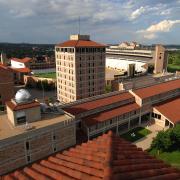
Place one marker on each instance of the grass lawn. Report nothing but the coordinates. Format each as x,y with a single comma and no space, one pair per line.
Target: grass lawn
172,158
173,68
47,75
139,132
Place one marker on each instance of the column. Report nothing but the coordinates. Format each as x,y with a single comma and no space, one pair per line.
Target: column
88,133
117,126
129,122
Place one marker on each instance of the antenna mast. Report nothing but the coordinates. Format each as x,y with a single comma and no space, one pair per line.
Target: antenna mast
79,25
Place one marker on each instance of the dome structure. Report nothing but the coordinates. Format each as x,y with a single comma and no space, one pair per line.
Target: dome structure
22,96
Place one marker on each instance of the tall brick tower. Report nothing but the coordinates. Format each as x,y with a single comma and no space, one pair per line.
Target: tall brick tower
80,67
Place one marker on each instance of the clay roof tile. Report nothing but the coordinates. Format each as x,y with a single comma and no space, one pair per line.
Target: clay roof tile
118,160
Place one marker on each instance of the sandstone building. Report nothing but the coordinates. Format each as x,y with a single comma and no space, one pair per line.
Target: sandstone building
80,67
122,111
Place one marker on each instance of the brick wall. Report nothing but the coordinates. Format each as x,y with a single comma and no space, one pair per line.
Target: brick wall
14,152
6,85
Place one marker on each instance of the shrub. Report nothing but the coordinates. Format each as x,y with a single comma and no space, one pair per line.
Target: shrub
150,68
108,88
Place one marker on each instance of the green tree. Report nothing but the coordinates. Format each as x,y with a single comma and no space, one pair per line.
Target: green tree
167,140
175,137
39,85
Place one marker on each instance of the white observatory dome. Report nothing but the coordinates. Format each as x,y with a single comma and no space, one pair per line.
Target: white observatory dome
22,96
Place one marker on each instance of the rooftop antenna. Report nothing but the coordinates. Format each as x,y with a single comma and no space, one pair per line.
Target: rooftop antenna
79,25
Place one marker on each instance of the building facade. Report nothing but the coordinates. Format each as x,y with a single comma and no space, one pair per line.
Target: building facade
20,67
123,111
80,67
160,59
6,84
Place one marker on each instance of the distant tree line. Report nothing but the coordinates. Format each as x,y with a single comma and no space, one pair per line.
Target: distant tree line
26,50
43,84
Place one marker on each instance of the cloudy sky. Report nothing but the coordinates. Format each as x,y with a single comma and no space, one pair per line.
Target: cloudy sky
108,21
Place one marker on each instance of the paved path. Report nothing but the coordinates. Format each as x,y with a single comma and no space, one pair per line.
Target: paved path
145,142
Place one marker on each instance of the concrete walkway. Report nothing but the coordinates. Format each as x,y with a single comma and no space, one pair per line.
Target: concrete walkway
145,142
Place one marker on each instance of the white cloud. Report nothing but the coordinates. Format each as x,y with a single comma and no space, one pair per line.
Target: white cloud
22,13
163,26
166,12
68,10
135,14
58,18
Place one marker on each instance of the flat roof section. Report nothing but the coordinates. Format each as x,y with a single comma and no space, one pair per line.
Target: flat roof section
105,157
87,106
103,116
7,130
170,109
157,89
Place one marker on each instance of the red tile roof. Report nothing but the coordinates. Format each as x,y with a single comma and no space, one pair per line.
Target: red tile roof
16,107
86,106
170,109
80,43
21,70
108,157
103,116
24,60
157,89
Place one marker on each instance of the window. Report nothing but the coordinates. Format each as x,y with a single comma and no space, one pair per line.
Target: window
28,158
27,145
21,117
54,137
